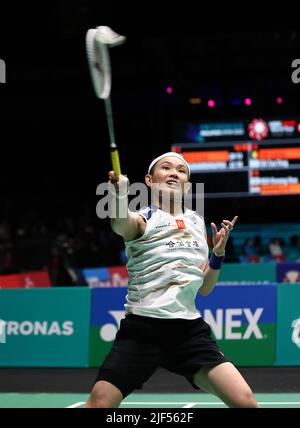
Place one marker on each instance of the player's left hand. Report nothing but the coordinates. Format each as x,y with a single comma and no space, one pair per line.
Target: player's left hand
220,237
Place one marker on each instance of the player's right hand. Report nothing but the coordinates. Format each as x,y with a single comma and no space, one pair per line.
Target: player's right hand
120,182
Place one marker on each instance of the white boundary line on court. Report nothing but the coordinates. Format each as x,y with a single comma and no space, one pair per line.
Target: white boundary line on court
189,405
73,406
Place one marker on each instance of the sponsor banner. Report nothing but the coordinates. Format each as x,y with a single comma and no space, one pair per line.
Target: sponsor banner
260,273
106,313
288,325
25,280
256,128
242,321
10,281
115,276
118,276
97,277
46,327
2,331
288,272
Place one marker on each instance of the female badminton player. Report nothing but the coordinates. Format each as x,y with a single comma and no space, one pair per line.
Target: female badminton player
167,266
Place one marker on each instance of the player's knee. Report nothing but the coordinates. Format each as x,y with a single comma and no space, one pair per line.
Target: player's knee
99,402
247,400
104,396
251,401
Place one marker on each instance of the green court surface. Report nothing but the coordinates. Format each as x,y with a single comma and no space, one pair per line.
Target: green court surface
71,400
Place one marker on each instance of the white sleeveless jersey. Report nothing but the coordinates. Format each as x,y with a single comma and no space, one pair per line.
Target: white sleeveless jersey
166,264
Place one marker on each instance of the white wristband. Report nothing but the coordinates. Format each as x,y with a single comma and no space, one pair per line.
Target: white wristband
116,192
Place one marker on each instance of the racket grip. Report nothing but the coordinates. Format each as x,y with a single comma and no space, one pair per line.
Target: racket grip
115,161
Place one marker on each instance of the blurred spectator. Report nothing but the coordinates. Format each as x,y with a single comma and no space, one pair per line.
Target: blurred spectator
276,252
294,241
294,248
86,249
58,268
6,259
5,231
257,245
123,256
248,248
250,251
231,256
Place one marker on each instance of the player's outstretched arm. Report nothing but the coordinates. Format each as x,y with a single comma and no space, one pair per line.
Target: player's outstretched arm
131,225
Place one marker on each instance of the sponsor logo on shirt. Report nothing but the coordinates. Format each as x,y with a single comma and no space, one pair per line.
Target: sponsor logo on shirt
183,245
180,224
162,226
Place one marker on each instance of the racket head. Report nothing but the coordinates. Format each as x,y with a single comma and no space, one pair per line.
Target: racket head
109,37
99,64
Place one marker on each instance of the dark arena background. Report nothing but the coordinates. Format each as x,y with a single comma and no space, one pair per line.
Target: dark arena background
222,87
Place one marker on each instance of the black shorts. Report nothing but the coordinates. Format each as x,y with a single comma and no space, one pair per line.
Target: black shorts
143,344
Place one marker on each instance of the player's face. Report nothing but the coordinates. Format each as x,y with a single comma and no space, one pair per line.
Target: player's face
171,174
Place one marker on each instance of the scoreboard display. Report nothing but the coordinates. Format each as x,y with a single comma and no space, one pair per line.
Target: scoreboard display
259,158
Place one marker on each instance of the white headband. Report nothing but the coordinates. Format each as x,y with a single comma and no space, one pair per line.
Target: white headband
174,154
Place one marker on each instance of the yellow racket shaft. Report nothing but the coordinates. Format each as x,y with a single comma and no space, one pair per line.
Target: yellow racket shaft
115,161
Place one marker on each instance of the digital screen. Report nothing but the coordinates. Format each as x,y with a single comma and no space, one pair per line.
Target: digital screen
264,161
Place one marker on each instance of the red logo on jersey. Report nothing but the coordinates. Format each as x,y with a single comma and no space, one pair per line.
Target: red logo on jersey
180,224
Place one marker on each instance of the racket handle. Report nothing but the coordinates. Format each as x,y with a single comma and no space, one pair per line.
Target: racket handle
115,161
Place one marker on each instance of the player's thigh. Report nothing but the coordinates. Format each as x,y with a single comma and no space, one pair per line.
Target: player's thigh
225,381
104,395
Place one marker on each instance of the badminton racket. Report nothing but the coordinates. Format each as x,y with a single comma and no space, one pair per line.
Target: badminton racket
98,42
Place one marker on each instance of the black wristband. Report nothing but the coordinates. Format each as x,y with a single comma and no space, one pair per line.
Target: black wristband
215,262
